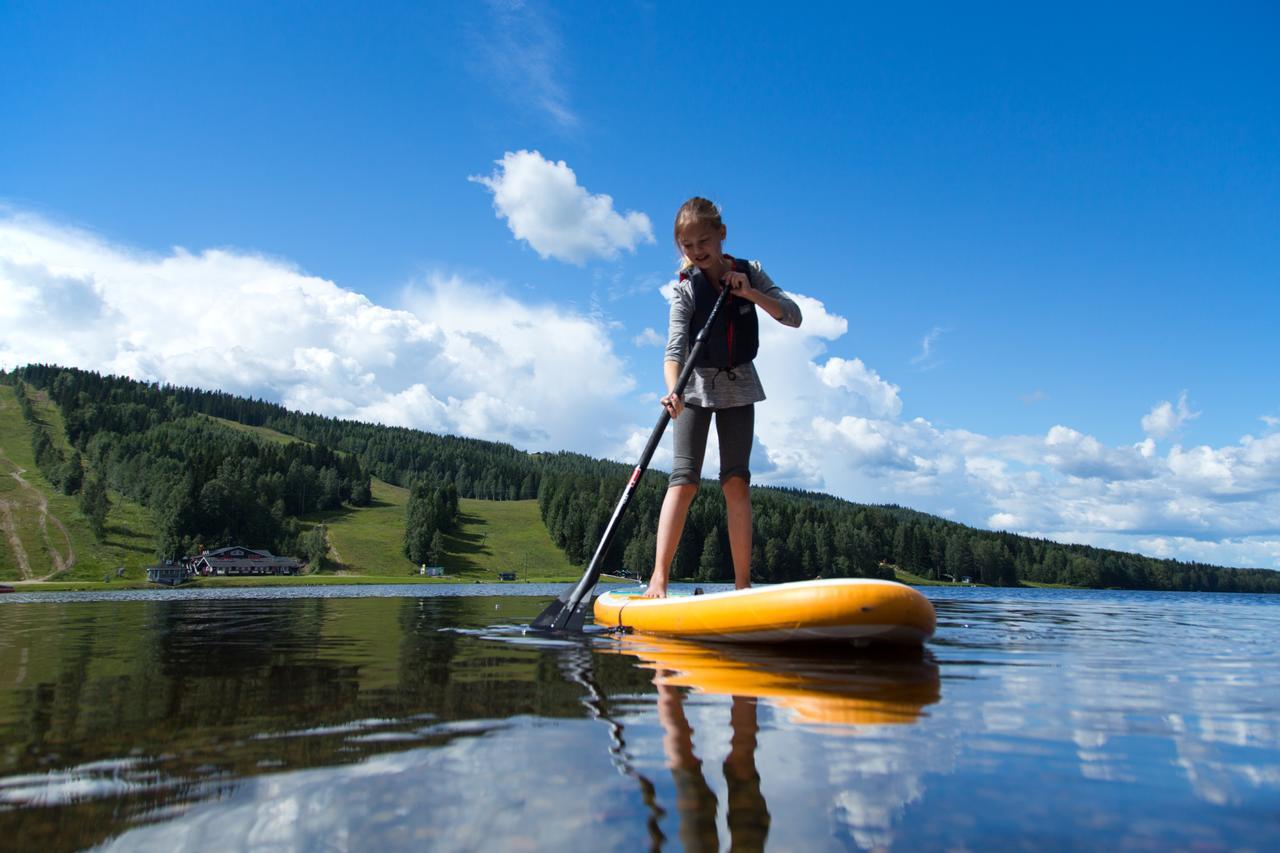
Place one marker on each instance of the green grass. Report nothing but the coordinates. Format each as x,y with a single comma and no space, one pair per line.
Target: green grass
51,416
506,536
492,537
368,540
263,433
299,580
128,528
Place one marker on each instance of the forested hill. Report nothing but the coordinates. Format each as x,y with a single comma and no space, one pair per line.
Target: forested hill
210,484
804,534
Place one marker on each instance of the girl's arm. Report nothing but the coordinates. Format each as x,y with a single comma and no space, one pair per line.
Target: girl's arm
766,294
771,306
677,346
671,373
672,402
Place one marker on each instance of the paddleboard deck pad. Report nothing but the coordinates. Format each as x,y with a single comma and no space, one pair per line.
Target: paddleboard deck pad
805,611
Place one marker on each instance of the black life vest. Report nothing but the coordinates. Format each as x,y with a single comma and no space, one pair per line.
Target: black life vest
735,337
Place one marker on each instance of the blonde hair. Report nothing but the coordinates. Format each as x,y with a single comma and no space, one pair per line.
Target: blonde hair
695,212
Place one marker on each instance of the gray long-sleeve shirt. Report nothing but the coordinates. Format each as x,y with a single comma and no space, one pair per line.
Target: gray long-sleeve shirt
711,387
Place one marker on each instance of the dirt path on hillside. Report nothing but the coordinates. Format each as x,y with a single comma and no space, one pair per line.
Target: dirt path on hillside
11,534
60,563
330,547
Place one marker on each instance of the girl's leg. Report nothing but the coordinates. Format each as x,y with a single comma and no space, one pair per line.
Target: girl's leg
675,508
736,429
737,499
691,430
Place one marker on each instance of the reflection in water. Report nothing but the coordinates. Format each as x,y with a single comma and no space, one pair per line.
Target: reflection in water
577,665
747,812
132,712
828,685
301,722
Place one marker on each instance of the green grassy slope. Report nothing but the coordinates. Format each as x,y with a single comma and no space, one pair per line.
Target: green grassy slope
493,536
506,536
368,540
44,535
263,433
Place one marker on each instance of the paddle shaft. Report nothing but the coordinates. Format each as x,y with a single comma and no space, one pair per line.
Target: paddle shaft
568,612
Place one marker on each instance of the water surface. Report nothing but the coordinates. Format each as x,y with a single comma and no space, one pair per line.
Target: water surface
413,717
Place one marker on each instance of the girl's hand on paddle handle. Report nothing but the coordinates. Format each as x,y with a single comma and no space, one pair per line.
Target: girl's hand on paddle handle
673,404
739,284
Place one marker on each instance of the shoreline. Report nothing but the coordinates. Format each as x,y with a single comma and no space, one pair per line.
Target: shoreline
281,580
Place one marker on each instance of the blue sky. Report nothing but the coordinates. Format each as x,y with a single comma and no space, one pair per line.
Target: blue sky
1019,232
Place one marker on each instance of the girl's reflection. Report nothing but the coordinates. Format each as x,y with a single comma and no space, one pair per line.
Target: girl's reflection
696,804
841,692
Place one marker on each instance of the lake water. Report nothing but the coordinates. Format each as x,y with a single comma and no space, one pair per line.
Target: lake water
369,718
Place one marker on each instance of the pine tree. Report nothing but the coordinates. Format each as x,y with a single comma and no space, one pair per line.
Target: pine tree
95,504
710,565
419,525
315,547
72,474
435,555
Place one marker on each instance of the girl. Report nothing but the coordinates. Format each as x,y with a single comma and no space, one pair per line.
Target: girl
724,381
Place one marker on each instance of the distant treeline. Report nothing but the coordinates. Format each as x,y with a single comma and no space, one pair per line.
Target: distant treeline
797,534
478,469
801,534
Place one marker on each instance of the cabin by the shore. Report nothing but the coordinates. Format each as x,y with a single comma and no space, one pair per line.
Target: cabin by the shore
170,573
234,560
237,560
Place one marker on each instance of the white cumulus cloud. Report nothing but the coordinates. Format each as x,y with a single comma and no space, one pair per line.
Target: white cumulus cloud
882,397
1080,455
1165,419
455,357
545,206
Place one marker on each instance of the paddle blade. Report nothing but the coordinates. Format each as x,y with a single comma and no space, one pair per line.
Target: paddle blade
574,619
546,620
561,615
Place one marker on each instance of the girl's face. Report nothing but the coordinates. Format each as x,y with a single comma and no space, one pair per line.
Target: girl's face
701,244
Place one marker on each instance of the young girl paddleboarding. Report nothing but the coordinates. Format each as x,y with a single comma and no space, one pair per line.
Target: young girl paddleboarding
724,383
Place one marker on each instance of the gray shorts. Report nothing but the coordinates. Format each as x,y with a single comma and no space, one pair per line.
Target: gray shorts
735,428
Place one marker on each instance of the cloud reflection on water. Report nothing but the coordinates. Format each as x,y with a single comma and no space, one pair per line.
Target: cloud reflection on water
1081,718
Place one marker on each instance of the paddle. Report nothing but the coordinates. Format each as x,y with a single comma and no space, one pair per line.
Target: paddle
569,610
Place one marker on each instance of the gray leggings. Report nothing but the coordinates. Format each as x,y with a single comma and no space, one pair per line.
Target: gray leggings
735,428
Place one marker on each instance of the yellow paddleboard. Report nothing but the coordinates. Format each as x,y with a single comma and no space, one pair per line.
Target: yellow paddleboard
821,610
